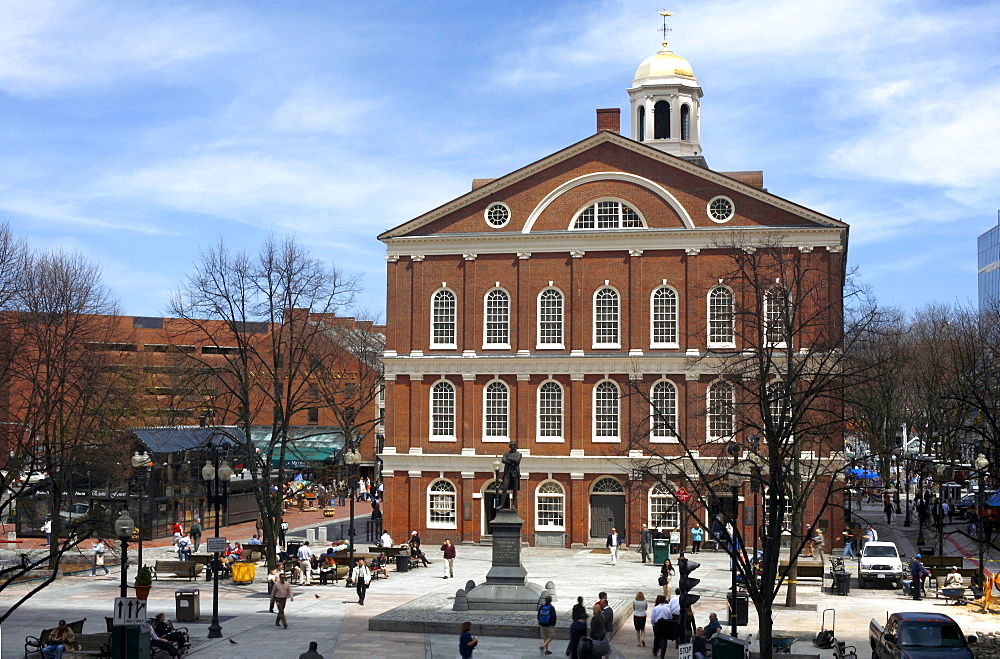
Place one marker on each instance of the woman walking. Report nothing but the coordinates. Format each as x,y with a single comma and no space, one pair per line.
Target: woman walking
639,610
666,572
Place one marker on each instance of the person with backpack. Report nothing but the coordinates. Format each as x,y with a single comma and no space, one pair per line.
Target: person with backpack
577,632
547,624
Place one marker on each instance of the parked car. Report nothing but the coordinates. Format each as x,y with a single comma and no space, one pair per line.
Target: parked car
919,636
32,477
880,563
75,511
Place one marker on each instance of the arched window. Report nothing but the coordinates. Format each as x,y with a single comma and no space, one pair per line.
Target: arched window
550,319
661,121
607,485
685,122
441,501
550,411
777,321
608,215
606,317
641,120
663,308
664,513
606,412
444,310
779,407
663,411
721,421
720,318
496,330
550,507
443,411
495,406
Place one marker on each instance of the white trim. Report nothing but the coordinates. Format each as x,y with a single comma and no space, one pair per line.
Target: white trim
605,439
538,320
601,476
432,345
496,438
562,488
654,439
708,318
454,415
652,310
708,411
650,522
652,186
732,206
486,344
617,200
486,215
539,438
616,345
454,499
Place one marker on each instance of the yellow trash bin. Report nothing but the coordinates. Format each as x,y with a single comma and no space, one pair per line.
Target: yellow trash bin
243,572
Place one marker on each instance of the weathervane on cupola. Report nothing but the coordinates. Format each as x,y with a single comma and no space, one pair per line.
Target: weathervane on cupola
666,103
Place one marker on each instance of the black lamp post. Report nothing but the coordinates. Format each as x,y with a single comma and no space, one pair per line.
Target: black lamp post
923,499
140,462
352,458
734,486
216,479
982,464
123,529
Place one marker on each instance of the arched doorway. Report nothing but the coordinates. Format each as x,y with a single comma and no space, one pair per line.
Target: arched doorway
489,511
607,507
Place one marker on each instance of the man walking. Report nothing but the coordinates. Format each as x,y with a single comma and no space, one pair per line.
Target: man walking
848,535
362,578
646,543
449,558
871,535
547,624
613,543
282,529
305,563
195,533
887,508
312,653
47,530
282,593
99,550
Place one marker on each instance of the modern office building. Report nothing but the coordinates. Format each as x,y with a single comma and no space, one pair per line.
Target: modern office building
989,266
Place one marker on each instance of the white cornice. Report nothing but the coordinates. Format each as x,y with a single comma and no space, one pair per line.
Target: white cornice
676,363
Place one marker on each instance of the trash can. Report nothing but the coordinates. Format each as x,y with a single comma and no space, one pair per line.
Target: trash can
661,550
130,641
243,573
292,547
402,563
187,603
725,646
925,550
842,582
741,607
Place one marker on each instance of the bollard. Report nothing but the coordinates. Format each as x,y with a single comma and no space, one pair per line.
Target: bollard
10,537
551,587
311,536
321,535
461,601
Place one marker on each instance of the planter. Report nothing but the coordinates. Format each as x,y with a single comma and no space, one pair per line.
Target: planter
329,512
142,592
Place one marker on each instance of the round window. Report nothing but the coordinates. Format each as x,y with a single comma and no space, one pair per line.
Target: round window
721,209
497,215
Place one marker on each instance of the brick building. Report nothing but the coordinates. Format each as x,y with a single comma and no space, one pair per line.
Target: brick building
525,310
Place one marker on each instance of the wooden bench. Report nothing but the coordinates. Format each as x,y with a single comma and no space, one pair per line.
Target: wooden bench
91,645
253,553
181,569
34,644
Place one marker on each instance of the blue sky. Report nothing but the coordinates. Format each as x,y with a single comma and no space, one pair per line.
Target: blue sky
139,133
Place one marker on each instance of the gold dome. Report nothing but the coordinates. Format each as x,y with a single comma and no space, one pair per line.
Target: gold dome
664,63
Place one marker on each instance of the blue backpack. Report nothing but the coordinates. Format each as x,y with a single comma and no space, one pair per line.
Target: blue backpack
547,615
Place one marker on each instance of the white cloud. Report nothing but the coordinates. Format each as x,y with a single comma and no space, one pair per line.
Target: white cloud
68,213
313,109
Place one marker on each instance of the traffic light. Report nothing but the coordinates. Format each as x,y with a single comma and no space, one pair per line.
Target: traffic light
687,582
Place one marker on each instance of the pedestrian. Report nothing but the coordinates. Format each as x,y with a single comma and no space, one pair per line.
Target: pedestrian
547,619
699,648
282,529
848,537
810,549
272,579
311,653
819,542
945,511
282,594
99,550
666,572
917,575
362,579
887,508
305,562
613,544
467,642
184,548
448,550
578,609
714,626
195,534
639,613
59,638
659,618
871,535
609,615
697,534
646,543
577,630
47,530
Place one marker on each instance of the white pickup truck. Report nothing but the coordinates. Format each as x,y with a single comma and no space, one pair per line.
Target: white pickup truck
881,563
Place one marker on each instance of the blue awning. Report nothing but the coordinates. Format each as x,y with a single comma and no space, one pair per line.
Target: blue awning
173,439
994,500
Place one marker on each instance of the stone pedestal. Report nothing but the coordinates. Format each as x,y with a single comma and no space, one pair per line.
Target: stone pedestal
506,587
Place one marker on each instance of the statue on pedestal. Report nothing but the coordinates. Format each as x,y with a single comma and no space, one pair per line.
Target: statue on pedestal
511,479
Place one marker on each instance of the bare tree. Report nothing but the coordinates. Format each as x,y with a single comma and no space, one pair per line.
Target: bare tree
261,308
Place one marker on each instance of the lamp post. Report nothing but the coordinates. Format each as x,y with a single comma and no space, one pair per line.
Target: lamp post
123,529
734,481
140,462
352,458
982,464
216,479
923,498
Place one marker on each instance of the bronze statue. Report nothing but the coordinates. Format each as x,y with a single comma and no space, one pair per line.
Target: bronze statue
511,478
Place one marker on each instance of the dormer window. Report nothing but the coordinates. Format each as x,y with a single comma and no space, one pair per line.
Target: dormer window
608,215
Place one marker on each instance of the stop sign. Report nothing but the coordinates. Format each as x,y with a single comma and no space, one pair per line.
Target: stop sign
682,495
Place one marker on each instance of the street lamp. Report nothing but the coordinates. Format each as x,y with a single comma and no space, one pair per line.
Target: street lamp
216,479
734,481
352,458
140,462
123,529
982,464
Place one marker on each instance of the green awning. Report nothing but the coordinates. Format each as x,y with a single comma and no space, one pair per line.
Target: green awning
307,445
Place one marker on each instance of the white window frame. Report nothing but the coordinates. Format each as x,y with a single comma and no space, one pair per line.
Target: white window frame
774,406
711,317
496,385
615,321
619,215
454,321
539,437
597,413
559,497
539,345
487,343
454,415
786,519
653,343
713,418
775,293
434,499
654,437
659,494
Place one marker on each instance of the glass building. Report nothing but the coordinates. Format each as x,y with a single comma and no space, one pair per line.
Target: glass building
989,266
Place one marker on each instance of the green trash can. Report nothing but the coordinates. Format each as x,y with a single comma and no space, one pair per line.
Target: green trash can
136,642
725,646
661,550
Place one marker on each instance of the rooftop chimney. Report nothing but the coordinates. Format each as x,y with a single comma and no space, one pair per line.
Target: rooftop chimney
609,119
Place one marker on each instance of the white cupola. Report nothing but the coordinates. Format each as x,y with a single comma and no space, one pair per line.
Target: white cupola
666,105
